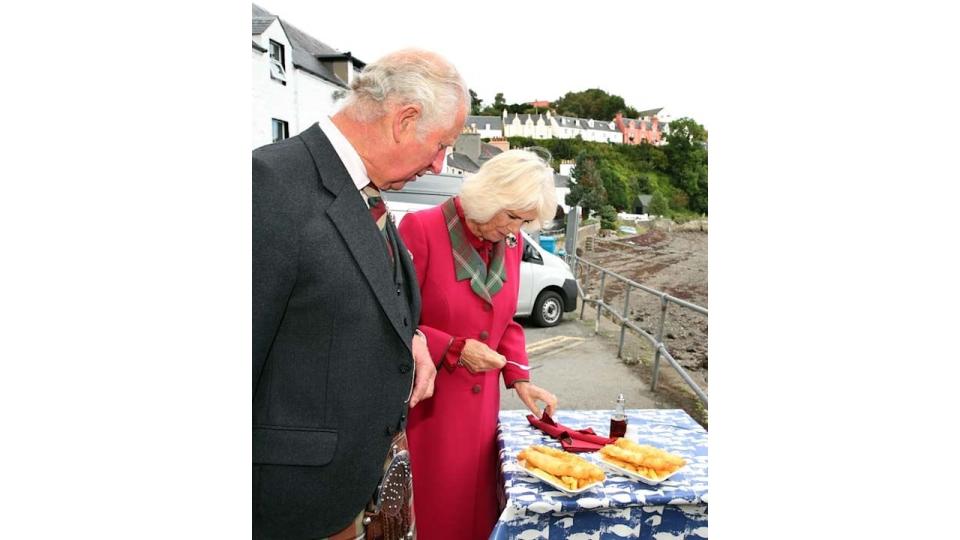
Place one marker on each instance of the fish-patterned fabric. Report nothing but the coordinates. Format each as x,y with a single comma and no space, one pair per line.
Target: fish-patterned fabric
620,507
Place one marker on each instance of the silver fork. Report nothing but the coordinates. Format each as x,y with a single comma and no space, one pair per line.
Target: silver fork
519,365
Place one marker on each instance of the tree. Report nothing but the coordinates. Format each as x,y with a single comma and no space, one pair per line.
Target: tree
658,205
475,103
587,189
686,152
608,217
496,109
593,103
498,102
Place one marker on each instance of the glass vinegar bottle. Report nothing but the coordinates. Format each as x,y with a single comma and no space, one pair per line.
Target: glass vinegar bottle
618,422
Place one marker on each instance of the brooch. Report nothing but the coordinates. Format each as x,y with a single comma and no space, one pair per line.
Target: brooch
511,240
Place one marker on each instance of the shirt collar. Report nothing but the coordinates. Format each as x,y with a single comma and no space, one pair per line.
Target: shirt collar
347,153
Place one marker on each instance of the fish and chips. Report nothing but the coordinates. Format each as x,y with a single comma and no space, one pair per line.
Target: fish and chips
560,467
645,460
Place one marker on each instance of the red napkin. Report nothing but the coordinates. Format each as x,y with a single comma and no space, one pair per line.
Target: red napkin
572,440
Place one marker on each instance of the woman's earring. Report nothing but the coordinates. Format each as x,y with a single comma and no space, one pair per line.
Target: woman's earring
511,240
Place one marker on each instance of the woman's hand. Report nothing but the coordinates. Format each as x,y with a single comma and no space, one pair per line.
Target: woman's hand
529,393
476,356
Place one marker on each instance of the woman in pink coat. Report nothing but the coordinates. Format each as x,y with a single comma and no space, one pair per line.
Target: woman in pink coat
467,256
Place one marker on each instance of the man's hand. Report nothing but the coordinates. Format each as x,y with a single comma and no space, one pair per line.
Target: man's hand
529,394
424,370
476,356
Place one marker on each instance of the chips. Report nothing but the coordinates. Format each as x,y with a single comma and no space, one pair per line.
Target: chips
645,460
560,467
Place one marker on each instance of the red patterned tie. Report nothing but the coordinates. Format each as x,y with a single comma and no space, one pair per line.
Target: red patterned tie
378,210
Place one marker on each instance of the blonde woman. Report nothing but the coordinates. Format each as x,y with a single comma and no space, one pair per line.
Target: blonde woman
466,253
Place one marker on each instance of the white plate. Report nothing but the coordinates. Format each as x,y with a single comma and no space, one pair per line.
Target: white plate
637,476
561,487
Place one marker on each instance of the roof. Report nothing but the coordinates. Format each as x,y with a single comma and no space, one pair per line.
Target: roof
258,47
305,48
649,112
462,162
645,199
343,56
487,151
601,125
261,23
569,122
524,117
481,121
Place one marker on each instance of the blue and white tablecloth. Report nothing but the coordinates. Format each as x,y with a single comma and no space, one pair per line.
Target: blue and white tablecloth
620,507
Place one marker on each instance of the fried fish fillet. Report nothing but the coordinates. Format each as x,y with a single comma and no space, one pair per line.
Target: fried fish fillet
646,460
564,467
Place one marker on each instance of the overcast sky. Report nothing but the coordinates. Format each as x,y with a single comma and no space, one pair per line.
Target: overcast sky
650,54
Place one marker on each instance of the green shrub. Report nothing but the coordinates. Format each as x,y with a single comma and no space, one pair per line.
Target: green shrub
608,217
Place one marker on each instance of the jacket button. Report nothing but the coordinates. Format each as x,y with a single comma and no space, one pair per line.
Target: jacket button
476,389
389,430
486,306
484,334
405,323
404,368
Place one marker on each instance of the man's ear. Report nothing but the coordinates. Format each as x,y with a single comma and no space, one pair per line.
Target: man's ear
405,120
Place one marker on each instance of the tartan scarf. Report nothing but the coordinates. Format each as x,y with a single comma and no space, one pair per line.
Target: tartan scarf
485,283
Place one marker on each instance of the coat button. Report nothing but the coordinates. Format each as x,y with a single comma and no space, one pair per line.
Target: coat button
405,323
404,368
389,430
476,389
486,306
484,334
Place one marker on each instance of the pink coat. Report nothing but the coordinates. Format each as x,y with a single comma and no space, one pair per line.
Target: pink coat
452,435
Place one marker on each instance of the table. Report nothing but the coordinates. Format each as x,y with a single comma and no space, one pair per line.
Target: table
620,507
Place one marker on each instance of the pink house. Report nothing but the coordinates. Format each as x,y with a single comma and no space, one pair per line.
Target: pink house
645,128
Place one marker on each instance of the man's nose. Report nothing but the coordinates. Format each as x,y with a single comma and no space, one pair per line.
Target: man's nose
437,164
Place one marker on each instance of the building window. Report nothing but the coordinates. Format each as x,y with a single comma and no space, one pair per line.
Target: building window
277,63
281,130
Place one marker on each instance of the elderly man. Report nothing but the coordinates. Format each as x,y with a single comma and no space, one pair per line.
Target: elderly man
336,360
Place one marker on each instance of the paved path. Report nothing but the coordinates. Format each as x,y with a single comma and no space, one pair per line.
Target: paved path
581,369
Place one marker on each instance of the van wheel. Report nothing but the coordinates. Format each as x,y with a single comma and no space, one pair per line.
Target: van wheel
548,310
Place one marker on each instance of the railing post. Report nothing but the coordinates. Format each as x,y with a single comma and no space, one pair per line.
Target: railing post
603,279
584,285
656,357
573,227
623,321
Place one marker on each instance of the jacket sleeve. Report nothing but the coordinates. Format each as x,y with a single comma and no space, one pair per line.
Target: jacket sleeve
443,346
275,247
513,344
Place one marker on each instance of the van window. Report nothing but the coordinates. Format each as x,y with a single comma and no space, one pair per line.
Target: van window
530,254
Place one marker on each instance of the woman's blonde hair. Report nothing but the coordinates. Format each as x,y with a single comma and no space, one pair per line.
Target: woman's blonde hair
514,180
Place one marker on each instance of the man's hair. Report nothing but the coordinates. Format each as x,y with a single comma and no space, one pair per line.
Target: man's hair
409,76
514,180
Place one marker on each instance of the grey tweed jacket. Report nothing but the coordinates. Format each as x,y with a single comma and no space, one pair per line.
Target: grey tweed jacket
333,320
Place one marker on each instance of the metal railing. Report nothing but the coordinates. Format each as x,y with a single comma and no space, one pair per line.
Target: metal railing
577,265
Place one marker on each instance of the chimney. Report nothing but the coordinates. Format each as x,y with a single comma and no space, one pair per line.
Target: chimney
469,145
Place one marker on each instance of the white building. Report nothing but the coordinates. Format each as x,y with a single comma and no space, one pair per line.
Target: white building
488,127
544,126
296,78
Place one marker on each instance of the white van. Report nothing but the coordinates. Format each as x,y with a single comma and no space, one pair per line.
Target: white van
547,286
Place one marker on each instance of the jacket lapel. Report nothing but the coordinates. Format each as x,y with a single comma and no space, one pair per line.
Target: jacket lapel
352,219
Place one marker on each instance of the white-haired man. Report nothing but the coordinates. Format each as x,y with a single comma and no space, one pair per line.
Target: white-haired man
336,361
